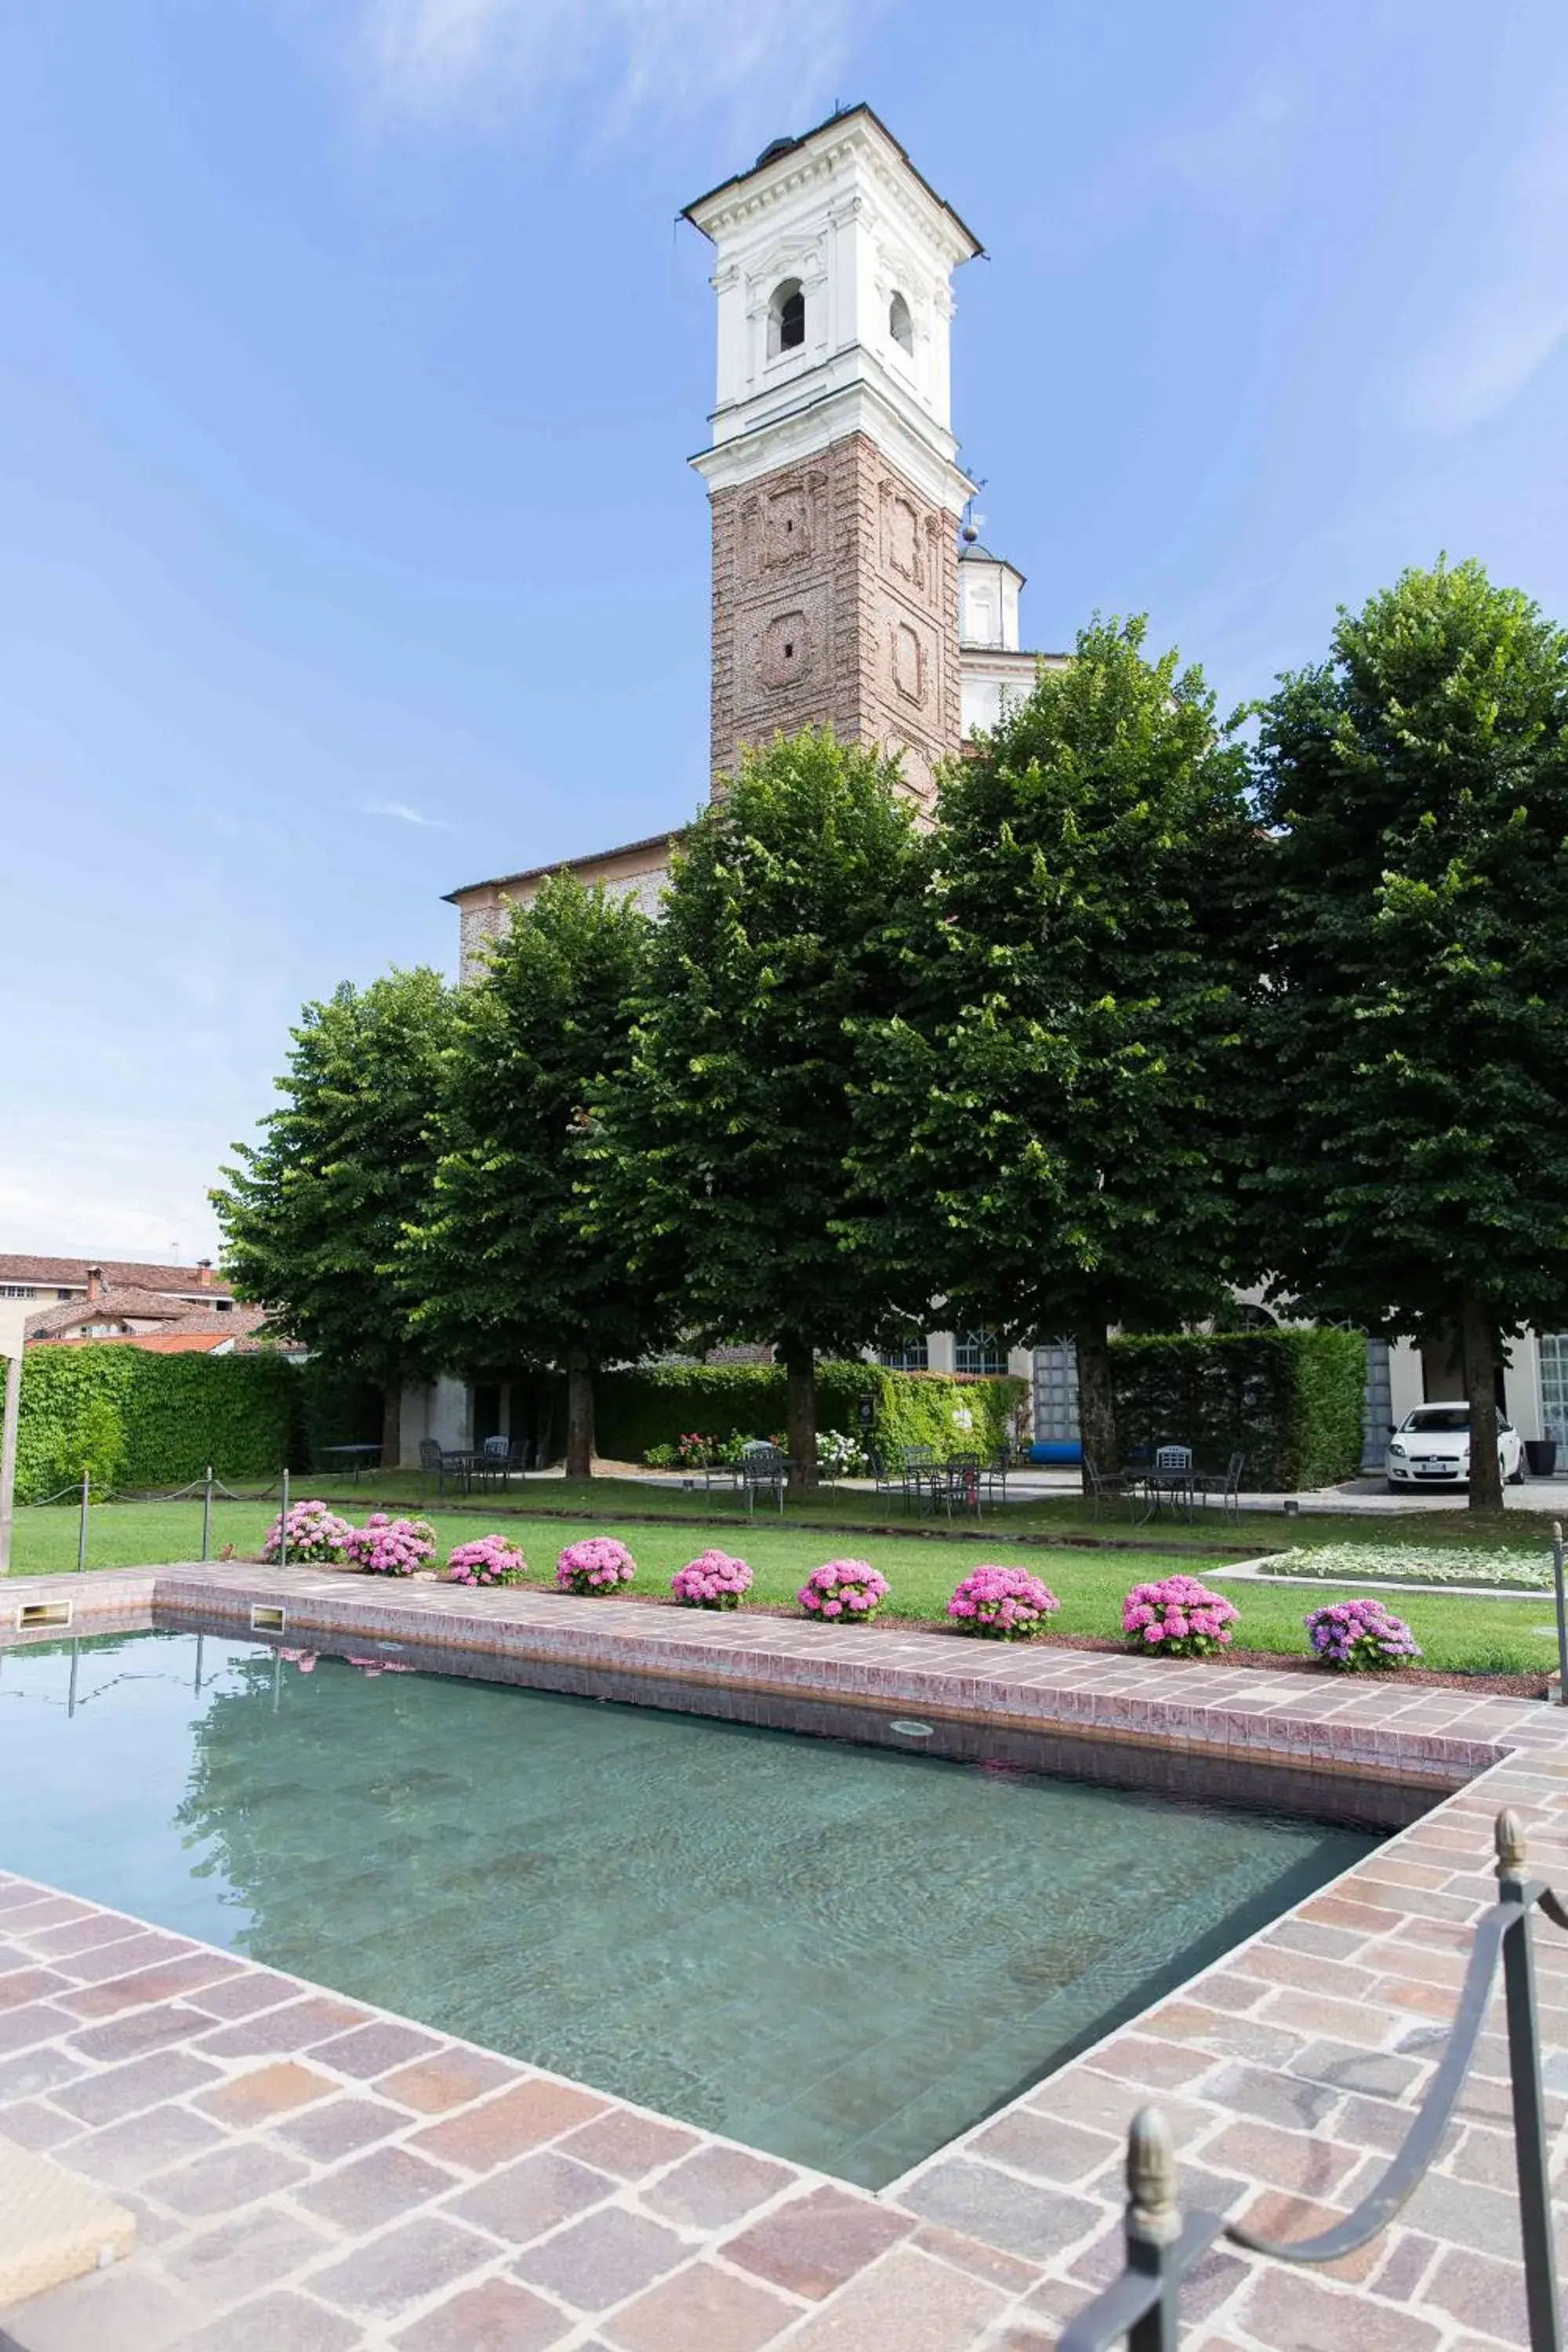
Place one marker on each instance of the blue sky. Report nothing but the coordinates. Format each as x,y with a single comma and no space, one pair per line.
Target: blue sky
352,356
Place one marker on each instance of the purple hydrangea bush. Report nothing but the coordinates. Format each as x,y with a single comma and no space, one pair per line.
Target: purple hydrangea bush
488,1560
595,1566
1007,1604
388,1547
714,1580
1179,1617
316,1536
1360,1637
844,1591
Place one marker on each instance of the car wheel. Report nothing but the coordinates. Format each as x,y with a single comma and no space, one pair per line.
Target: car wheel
1516,1476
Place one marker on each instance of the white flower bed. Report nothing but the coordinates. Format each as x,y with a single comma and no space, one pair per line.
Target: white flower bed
1359,1563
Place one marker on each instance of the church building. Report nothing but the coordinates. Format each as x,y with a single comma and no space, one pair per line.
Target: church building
845,592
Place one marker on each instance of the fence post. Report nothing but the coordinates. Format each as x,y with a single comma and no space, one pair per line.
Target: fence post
207,1515
1561,1612
283,1522
81,1524
1531,2143
1154,2225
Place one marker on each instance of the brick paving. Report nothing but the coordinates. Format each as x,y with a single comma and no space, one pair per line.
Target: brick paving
307,2172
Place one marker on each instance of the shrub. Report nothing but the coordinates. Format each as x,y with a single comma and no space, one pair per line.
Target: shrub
1180,1617
953,1412
488,1560
661,1457
713,1582
694,1451
838,1455
1290,1400
1006,1603
596,1565
848,1591
388,1547
1360,1637
316,1536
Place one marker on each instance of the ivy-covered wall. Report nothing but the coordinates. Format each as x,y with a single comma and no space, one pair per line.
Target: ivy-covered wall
133,1418
655,1406
1290,1400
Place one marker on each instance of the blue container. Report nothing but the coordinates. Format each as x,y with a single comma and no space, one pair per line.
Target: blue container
1056,1449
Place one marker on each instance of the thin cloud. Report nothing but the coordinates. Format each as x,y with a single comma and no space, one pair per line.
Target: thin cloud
1511,326
455,58
399,813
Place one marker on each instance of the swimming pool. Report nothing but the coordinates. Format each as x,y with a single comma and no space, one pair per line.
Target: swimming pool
841,1954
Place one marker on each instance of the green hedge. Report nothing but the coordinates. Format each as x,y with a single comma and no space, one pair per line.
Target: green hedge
659,1403
140,1419
1290,1400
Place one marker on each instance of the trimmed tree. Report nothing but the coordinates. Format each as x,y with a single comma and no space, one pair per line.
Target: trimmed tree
1047,1125
728,1147
1414,1042
311,1216
510,1262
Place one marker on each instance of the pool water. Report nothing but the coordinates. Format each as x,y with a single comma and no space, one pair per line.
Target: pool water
842,1954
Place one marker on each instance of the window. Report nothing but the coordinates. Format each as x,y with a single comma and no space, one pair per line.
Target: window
1554,1385
901,326
980,1351
786,319
912,1358
16,1290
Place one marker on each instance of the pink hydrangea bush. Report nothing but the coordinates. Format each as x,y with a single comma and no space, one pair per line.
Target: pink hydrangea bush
714,1580
844,1592
488,1560
1007,1604
316,1536
388,1547
1179,1617
596,1565
1360,1637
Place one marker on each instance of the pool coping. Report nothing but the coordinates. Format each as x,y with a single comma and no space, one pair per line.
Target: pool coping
1286,2065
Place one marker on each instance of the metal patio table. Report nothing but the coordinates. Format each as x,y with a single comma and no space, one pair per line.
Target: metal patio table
357,1456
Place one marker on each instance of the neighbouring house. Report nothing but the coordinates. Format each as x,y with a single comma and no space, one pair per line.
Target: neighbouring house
62,1281
171,1310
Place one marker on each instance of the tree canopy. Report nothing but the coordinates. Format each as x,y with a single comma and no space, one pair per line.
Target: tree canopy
506,1261
1045,1120
727,1147
312,1215
1413,1063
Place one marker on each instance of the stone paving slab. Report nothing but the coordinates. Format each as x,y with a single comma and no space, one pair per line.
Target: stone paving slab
337,2177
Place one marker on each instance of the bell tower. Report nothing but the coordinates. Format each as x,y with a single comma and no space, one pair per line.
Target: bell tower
832,471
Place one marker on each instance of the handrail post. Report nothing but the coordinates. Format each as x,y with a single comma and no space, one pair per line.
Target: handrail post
1562,1612
207,1515
81,1523
1153,2226
283,1522
1531,2150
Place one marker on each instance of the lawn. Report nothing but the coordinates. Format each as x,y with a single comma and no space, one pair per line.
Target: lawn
1457,1633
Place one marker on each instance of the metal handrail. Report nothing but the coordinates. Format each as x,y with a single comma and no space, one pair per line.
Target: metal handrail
1141,2307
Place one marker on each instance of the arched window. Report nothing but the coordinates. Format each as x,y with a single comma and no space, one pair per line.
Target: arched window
901,326
786,318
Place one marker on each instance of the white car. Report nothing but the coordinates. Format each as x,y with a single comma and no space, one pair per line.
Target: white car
1431,1447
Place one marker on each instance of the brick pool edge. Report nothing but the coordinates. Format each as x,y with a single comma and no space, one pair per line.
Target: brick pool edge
224,2100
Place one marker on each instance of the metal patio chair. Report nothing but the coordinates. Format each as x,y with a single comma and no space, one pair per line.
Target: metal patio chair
762,1469
1225,1490
1105,1489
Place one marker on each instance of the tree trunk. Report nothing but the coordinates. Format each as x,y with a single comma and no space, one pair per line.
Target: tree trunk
392,1426
800,1373
1479,1349
579,1419
1097,1399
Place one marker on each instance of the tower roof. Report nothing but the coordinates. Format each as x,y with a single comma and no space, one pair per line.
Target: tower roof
778,148
972,553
